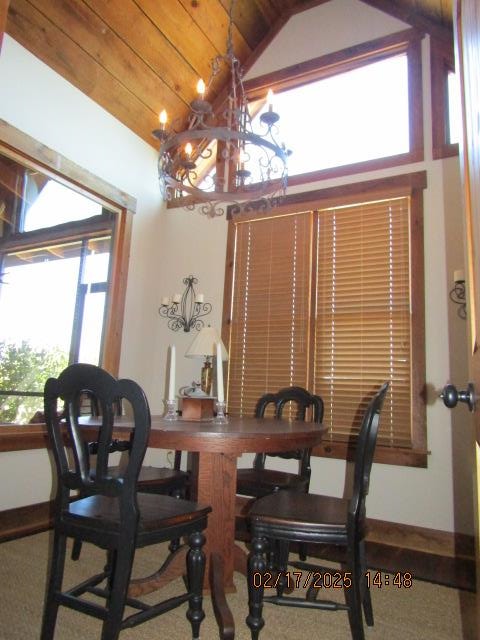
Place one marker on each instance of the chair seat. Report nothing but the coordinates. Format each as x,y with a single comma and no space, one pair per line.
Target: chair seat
156,477
162,480
158,514
261,482
301,516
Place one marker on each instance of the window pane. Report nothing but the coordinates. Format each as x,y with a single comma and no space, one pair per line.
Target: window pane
454,109
92,326
37,301
48,203
350,117
97,261
95,277
52,309
37,304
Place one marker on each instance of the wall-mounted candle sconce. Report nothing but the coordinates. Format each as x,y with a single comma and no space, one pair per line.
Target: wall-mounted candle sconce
457,294
184,311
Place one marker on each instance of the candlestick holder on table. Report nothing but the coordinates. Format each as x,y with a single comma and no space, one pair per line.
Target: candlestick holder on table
221,417
171,413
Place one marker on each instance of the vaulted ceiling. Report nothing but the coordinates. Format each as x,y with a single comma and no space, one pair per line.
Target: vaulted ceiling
134,57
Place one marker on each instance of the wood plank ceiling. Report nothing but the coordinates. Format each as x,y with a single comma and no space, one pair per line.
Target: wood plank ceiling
135,57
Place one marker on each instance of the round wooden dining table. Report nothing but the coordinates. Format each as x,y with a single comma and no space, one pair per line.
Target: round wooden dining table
216,448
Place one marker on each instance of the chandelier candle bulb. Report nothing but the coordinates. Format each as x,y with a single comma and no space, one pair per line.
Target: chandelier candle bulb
270,100
458,276
220,393
176,298
163,119
201,89
171,377
199,298
243,158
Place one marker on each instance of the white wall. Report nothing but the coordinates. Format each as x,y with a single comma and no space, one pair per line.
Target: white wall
330,27
167,245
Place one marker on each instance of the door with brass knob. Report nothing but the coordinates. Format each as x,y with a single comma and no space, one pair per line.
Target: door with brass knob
467,40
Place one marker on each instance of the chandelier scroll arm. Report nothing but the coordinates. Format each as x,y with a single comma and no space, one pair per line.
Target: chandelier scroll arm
239,177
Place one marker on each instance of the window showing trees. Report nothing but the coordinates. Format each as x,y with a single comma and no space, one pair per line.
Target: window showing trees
58,251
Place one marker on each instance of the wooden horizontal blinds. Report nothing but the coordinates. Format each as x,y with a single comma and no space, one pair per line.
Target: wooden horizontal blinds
363,317
269,341
331,299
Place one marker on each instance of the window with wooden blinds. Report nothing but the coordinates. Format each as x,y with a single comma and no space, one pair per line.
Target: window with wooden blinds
326,292
270,308
363,317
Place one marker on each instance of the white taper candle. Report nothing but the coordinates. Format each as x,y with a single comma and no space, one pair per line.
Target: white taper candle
171,377
220,394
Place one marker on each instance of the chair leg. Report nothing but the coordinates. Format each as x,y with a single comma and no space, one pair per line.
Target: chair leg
302,551
353,595
366,597
57,565
255,576
76,549
195,574
281,560
121,565
175,544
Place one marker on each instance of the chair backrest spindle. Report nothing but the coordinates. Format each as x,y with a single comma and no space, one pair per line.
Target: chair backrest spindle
365,451
81,471
303,400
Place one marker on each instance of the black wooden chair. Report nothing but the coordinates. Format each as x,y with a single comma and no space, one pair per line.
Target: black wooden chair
286,517
258,481
163,480
112,514
160,480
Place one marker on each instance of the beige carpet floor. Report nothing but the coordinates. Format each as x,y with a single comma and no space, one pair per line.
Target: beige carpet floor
423,612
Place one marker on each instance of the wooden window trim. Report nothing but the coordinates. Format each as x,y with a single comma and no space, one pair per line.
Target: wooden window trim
441,63
19,146
332,64
407,184
18,438
408,41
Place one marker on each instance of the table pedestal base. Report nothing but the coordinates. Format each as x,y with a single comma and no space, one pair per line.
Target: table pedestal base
223,556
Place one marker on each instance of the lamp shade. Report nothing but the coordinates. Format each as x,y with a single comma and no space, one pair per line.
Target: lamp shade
205,344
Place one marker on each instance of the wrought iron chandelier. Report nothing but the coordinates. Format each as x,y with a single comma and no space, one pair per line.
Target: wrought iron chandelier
247,166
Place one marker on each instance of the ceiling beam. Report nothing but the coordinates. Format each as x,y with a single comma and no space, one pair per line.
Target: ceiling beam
411,15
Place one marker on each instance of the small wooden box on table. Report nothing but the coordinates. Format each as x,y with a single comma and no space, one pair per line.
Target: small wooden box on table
197,408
